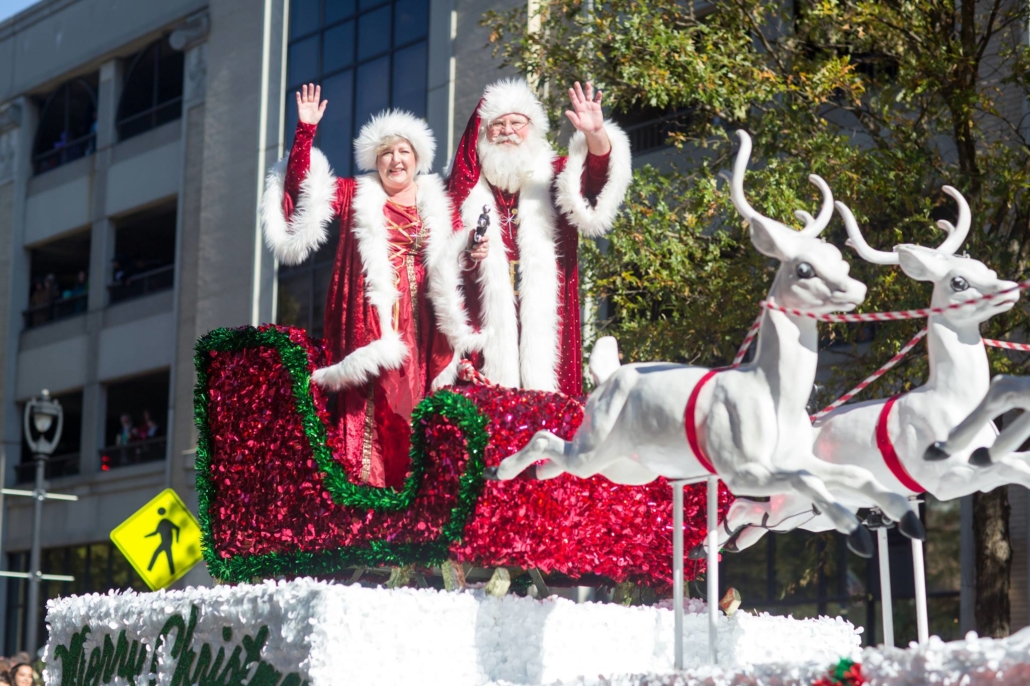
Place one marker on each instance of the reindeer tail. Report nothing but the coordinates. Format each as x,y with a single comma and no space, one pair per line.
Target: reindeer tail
604,359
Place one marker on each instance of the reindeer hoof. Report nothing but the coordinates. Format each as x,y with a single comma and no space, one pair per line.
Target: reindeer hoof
981,457
698,552
911,526
860,542
490,474
936,452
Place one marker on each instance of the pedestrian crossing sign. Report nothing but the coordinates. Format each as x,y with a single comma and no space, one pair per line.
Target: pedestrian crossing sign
161,540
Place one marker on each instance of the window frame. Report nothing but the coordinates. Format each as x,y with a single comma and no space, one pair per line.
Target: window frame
156,105
62,153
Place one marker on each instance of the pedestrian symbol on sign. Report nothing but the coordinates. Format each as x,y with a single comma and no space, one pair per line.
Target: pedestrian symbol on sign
164,530
161,540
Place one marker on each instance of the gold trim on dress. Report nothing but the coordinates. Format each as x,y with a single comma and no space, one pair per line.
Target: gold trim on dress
368,435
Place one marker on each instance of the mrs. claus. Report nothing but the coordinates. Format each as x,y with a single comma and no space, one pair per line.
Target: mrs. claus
393,318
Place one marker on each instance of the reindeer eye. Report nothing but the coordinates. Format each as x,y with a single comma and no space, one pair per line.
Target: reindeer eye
804,271
959,284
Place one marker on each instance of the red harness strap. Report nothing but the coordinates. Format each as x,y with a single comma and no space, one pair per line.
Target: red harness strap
890,456
691,425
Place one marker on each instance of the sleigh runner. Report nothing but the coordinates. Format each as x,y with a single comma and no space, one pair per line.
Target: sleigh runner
278,499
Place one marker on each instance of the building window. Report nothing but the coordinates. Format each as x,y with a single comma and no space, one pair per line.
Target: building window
65,459
67,124
808,575
152,90
134,427
651,128
144,254
368,55
303,289
58,280
97,568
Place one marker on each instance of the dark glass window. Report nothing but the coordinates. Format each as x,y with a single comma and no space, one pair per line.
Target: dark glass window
302,290
152,90
135,426
368,56
97,568
67,124
58,279
144,254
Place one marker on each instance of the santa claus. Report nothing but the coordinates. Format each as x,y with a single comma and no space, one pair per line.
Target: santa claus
522,278
393,316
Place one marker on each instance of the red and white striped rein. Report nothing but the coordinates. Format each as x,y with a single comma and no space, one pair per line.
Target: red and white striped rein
878,317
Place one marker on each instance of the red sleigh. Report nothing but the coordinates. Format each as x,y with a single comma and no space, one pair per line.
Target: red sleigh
275,500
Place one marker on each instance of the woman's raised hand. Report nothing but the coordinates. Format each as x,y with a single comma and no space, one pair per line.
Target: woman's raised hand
310,107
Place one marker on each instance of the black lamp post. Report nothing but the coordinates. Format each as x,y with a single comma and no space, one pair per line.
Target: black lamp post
43,422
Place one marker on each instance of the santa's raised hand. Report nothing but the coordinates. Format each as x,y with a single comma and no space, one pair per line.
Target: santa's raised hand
586,116
310,107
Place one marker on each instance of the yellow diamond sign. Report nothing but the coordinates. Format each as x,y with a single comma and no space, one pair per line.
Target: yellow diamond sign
161,540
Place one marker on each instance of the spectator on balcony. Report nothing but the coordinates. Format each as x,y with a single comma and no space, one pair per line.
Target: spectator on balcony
39,303
148,429
79,288
127,433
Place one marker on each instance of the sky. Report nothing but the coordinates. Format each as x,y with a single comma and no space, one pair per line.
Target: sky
9,8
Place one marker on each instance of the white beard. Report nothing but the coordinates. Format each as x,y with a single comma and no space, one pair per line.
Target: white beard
507,166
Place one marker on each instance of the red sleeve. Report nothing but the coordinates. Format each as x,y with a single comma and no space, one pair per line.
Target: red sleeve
298,164
595,175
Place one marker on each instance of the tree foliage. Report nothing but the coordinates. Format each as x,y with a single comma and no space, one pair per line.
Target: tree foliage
888,100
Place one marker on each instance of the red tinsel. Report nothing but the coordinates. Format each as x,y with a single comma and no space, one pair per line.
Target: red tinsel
269,496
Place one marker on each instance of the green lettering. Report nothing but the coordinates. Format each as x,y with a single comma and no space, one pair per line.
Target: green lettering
264,675
92,677
174,622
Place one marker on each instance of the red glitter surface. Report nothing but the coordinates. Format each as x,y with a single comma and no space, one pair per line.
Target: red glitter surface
269,495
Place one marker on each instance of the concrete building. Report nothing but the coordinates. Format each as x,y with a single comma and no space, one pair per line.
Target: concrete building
134,140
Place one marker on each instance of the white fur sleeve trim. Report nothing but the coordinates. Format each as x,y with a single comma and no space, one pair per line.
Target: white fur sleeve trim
594,221
293,241
364,364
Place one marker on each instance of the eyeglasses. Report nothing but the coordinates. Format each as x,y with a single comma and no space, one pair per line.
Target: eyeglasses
501,124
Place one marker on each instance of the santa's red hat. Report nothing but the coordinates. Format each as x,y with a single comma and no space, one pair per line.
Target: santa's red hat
395,123
507,96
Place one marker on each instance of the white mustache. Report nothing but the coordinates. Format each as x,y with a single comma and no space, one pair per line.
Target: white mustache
507,138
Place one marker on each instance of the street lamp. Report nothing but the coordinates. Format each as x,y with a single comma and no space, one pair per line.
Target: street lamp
44,414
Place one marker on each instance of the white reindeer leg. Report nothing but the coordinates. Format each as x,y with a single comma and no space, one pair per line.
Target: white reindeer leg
754,479
1005,393
543,446
1011,437
853,478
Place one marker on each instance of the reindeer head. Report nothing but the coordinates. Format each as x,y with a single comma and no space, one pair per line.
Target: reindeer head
813,275
955,279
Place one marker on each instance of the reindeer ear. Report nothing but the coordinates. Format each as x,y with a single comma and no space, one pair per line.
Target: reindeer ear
920,263
769,239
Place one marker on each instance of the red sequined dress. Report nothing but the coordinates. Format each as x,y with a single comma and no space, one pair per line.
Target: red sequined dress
373,418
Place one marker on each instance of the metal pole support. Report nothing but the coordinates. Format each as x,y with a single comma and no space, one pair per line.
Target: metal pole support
35,570
886,601
677,572
713,568
919,573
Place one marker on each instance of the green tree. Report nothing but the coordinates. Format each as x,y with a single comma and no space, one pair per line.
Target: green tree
888,100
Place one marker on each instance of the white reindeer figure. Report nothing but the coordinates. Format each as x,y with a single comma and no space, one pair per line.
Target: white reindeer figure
889,436
1006,393
748,425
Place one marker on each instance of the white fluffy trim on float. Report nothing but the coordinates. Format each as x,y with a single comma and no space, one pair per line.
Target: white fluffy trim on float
331,634
594,221
395,123
293,241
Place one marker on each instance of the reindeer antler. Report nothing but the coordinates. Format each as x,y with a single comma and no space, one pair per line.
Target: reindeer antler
737,180
856,241
956,234
813,227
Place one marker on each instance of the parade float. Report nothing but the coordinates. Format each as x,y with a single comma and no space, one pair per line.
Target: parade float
599,491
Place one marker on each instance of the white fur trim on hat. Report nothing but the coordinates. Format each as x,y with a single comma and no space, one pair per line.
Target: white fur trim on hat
512,96
395,123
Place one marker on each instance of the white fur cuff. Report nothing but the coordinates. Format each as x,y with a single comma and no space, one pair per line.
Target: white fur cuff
293,241
594,221
363,364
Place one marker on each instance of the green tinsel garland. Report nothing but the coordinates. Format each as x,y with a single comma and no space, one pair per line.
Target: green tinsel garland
457,408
